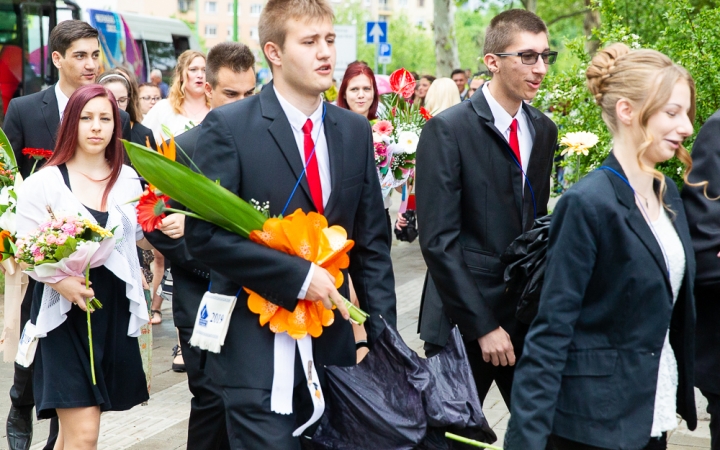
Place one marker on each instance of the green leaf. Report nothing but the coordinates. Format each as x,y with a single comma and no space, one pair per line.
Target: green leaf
7,149
209,200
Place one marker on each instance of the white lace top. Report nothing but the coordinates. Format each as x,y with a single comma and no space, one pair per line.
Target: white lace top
664,417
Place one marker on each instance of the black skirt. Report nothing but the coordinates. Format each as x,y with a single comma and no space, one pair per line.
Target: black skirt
62,376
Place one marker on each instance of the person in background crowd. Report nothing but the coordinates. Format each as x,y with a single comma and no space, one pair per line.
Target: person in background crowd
32,121
186,104
475,84
358,90
441,96
703,213
156,79
149,95
469,211
602,367
421,88
460,78
230,77
125,93
86,176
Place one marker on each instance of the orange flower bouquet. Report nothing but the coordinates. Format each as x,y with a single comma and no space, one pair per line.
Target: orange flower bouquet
304,235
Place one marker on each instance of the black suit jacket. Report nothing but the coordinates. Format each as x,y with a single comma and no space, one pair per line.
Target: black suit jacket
254,155
33,121
470,207
704,219
140,134
190,276
589,369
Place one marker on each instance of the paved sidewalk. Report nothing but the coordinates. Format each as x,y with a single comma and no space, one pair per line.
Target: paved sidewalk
162,424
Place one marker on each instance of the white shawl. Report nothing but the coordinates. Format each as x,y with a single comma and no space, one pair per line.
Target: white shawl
46,187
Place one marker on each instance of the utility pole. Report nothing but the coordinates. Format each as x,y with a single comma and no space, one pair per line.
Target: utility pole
235,21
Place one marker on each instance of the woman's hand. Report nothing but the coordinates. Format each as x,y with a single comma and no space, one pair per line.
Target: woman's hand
173,225
73,289
401,221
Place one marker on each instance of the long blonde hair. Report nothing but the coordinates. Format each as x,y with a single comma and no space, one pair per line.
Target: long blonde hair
442,94
176,96
646,79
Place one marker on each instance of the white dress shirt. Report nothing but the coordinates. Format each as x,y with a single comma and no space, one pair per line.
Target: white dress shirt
297,120
62,100
502,122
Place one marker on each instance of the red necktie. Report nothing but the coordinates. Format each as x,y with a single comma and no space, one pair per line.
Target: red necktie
311,168
514,143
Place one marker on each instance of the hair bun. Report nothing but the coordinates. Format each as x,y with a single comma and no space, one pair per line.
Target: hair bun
601,68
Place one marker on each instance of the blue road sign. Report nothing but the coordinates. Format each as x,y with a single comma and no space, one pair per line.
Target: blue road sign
384,53
376,33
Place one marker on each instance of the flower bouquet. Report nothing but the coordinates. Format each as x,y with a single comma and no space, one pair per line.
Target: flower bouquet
397,132
67,246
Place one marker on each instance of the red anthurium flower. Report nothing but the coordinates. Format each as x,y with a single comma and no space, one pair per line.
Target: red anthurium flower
151,209
425,113
402,83
37,153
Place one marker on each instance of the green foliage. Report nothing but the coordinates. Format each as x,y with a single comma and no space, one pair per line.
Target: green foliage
685,30
470,34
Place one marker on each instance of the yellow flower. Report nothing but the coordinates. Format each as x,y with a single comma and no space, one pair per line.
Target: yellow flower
578,142
97,229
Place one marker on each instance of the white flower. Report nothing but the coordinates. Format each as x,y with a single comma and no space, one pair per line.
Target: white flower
377,137
7,221
579,142
5,198
408,141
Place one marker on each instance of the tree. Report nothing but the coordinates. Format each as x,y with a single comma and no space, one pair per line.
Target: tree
446,53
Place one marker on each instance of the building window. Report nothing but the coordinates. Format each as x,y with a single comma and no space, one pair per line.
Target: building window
254,33
421,23
185,5
368,3
255,9
210,30
230,8
383,4
403,3
211,7
383,18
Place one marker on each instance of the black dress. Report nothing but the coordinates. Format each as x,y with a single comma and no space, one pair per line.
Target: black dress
62,376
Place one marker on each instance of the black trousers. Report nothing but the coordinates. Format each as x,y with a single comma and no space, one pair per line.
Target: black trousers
206,427
559,443
714,410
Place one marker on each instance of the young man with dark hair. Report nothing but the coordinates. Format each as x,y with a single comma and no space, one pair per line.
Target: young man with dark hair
230,75
260,147
460,79
32,122
485,169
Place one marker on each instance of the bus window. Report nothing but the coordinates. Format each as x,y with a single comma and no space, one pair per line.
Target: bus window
181,43
36,27
162,56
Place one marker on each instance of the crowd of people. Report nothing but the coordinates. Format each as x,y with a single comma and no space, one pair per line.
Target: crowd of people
626,325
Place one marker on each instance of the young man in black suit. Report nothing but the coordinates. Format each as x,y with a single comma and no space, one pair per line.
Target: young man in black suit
230,74
473,199
259,148
703,214
32,122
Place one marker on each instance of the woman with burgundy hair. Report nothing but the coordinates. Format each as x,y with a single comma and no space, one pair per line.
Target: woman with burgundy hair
358,90
86,176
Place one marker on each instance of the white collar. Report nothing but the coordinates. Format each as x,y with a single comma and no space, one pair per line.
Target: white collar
501,117
296,117
62,99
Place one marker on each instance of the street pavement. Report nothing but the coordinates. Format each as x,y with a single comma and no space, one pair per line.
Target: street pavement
162,423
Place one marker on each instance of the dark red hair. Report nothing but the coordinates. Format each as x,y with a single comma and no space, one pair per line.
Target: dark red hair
354,69
67,139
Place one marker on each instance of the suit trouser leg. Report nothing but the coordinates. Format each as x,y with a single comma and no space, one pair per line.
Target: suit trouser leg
713,409
206,427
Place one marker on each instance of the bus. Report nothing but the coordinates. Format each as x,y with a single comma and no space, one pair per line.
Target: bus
140,43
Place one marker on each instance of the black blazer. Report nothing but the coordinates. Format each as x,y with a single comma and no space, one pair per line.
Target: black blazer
190,276
589,368
33,121
470,207
254,155
140,134
704,220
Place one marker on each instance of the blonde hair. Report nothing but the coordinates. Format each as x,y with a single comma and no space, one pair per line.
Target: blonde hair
272,26
442,94
646,79
176,96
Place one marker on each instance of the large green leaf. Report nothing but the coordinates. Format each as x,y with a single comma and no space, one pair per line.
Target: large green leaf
6,148
206,198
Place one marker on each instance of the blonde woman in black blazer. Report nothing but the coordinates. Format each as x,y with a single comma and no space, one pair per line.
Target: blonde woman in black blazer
609,358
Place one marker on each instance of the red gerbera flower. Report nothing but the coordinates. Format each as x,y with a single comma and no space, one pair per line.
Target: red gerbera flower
425,113
402,83
37,153
151,209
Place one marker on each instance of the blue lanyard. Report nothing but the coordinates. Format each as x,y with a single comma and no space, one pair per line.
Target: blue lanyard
307,161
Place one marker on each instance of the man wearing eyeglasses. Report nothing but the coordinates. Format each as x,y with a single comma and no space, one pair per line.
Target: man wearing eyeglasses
484,167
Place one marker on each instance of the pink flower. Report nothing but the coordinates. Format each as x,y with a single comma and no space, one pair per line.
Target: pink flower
69,228
383,128
57,223
44,226
39,257
381,154
61,239
51,239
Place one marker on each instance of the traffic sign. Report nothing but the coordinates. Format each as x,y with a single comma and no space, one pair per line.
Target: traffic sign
376,33
384,53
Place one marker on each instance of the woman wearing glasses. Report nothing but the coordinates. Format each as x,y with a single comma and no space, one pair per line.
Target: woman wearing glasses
149,96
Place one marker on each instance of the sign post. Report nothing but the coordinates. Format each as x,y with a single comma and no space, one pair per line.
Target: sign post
376,33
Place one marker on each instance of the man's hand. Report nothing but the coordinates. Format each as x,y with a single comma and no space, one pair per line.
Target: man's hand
497,348
173,225
322,287
73,289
